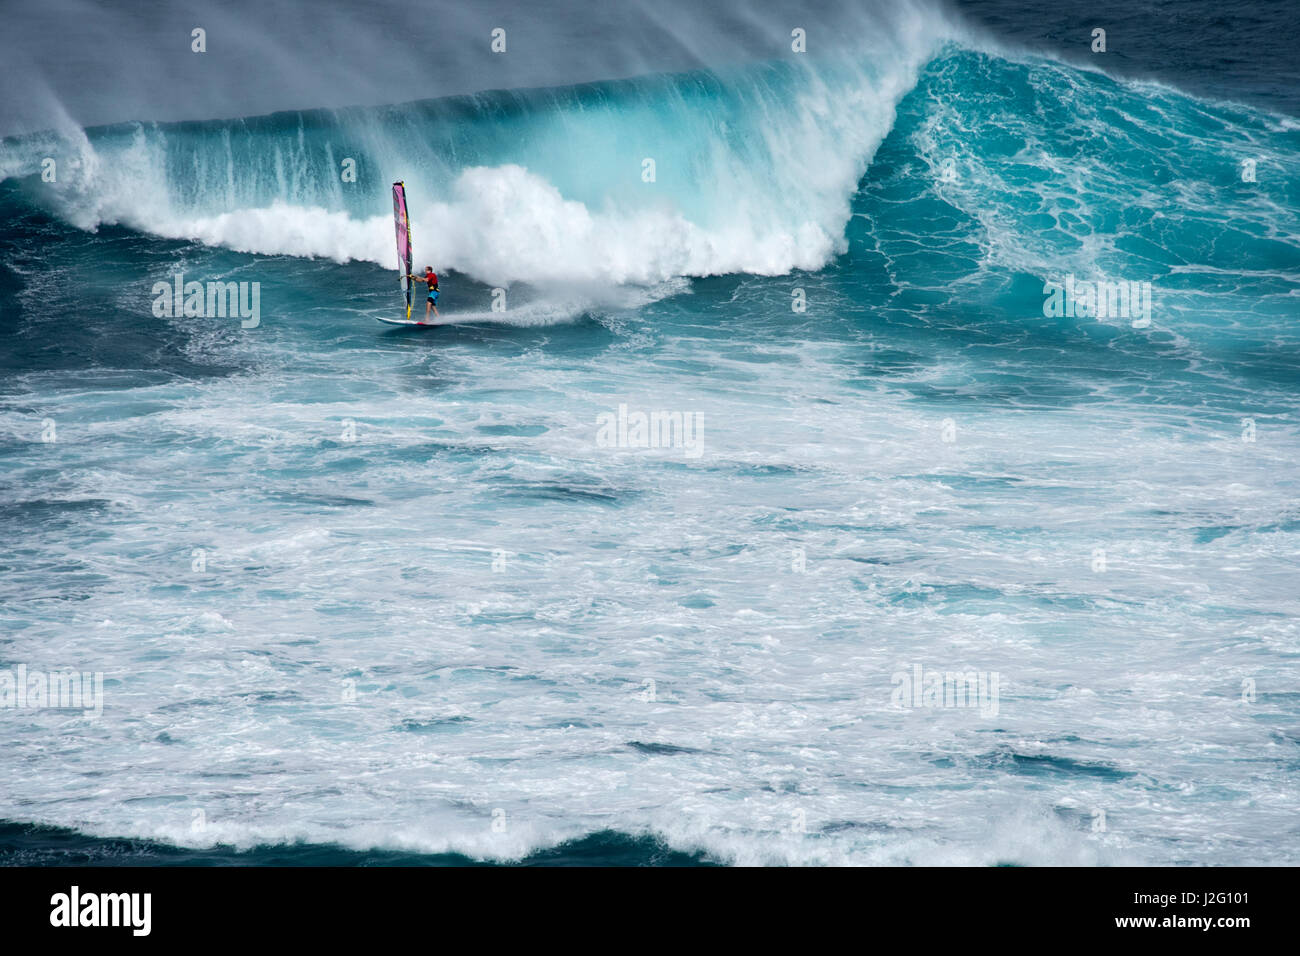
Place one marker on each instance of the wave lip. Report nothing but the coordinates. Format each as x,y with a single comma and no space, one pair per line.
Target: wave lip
641,181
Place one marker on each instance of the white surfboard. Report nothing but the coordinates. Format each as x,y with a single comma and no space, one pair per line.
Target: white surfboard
427,325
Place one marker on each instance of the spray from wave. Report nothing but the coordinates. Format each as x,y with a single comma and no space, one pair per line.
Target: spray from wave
749,169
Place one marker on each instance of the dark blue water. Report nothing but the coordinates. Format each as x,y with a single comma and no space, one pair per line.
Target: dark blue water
27,845
1242,52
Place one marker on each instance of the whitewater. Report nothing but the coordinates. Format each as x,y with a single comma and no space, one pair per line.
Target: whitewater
360,590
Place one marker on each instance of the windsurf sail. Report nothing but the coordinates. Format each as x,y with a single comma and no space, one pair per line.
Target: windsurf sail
403,226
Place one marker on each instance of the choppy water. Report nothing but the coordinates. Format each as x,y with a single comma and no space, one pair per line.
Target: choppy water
433,618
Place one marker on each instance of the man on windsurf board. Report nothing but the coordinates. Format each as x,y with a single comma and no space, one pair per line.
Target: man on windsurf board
430,278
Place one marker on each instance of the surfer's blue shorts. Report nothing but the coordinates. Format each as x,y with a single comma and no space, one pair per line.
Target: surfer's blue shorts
433,296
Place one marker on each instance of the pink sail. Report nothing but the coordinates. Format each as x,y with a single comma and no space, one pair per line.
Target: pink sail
403,226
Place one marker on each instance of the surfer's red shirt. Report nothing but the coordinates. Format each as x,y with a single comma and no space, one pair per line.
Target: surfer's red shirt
431,277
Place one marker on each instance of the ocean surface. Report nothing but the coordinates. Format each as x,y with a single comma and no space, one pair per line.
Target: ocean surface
364,595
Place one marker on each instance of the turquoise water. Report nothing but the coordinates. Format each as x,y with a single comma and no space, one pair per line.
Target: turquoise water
437,620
